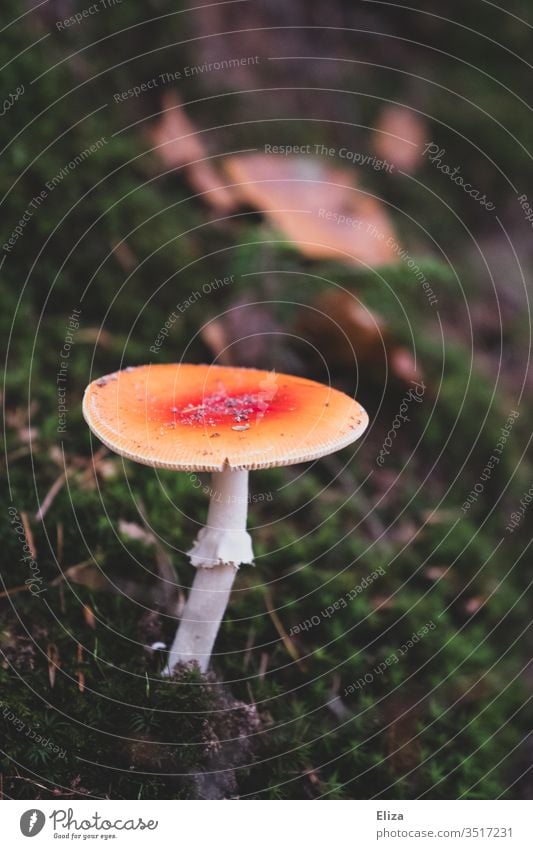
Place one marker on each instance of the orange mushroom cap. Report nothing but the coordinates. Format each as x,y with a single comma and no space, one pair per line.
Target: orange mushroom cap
318,208
211,418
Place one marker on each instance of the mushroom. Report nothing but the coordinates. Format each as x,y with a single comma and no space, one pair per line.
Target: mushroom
228,421
317,207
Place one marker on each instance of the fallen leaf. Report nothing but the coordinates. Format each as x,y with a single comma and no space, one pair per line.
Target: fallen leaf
214,336
347,333
108,469
14,590
399,137
136,532
382,602
125,256
178,144
343,329
472,605
403,532
95,336
88,615
54,662
312,775
60,537
18,419
86,574
403,365
28,533
28,434
438,517
80,674
435,573
315,206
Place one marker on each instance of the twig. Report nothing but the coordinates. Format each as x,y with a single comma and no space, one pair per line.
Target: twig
286,640
91,464
248,648
51,494
64,574
60,540
165,567
14,590
29,534
263,664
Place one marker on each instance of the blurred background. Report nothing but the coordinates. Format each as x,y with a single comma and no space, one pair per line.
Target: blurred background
342,191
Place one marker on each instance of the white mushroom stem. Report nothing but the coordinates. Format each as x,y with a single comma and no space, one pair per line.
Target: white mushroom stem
219,549
202,616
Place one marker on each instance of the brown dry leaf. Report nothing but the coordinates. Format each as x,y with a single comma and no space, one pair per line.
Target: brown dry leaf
472,605
399,137
28,434
60,539
54,662
346,333
124,256
79,674
95,336
316,207
402,364
404,532
28,533
89,617
14,590
174,135
108,469
132,530
435,573
438,517
382,602
311,773
214,336
87,574
18,419
343,329
179,145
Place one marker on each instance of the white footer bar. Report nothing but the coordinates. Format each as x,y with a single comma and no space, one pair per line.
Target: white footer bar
242,824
